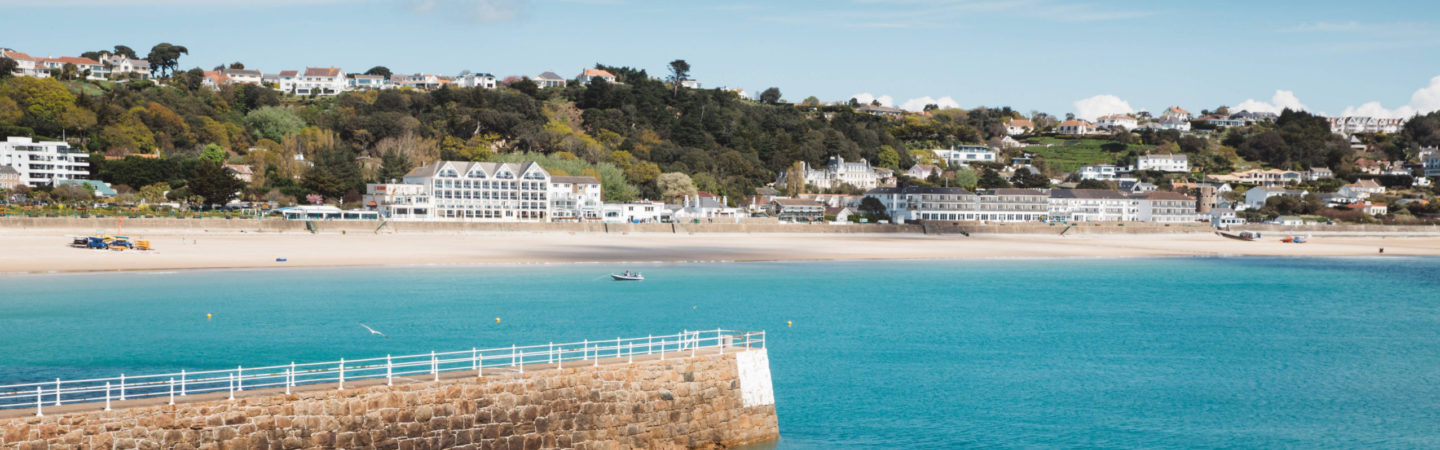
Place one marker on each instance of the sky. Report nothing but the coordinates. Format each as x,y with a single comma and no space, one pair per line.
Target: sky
1087,57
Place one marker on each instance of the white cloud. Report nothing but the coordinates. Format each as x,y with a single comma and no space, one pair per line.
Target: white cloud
1424,101
1281,101
865,98
1094,107
918,104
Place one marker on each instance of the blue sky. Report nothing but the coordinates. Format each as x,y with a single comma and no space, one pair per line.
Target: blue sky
1059,56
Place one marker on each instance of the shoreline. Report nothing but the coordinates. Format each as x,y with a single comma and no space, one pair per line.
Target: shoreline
37,252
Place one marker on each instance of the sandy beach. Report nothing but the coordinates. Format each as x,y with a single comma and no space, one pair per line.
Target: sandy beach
44,251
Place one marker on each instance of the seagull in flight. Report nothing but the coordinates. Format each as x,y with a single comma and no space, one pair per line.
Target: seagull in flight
372,331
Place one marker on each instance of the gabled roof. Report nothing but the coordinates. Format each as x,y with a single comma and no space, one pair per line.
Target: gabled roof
574,180
7,170
549,76
464,167
216,77
17,55
289,73
1075,123
1177,110
1020,123
321,71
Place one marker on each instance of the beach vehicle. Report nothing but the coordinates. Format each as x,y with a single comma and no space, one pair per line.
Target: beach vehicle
80,242
1293,240
628,276
1243,235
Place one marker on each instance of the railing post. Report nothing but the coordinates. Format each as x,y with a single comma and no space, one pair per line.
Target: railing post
649,344
389,381
57,392
172,390
720,340
122,387
631,353
182,382
585,350
434,366
762,339
551,353
475,357
694,344
239,378
617,346
662,349
231,387
479,365
40,402
342,375
107,395
289,379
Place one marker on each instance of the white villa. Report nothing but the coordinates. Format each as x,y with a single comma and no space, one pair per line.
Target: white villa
1075,127
838,172
636,212
1115,121
44,163
124,65
320,81
1163,163
242,76
963,155
1255,198
549,80
1016,127
1091,205
575,199
1099,172
591,74
476,80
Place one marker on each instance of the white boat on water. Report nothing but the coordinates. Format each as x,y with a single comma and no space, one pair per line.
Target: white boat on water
628,276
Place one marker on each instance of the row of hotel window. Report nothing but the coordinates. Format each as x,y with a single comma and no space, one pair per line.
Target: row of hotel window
989,217
520,205
468,184
488,195
488,214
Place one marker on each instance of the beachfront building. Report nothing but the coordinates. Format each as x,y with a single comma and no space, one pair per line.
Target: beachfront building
962,155
466,191
1255,198
837,173
1165,207
1091,205
704,206
1013,205
325,212
575,199
915,203
9,178
43,163
636,212
798,210
1163,163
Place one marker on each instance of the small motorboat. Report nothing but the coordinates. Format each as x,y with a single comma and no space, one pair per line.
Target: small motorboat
628,276
1243,235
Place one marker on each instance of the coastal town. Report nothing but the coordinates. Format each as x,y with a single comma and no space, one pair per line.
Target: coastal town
1172,167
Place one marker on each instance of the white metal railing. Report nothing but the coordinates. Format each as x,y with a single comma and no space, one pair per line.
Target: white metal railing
429,365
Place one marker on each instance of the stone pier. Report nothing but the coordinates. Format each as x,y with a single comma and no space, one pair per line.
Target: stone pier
710,400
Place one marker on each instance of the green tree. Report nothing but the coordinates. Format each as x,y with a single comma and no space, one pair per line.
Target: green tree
990,179
154,193
965,177
273,123
211,182
393,166
679,72
1025,178
165,57
10,111
525,86
126,51
1094,184
674,186
128,132
889,158
7,68
213,153
44,100
770,96
379,70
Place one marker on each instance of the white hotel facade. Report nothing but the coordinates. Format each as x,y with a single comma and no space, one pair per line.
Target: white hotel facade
486,192
43,163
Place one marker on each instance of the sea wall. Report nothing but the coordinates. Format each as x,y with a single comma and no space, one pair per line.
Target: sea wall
707,401
273,225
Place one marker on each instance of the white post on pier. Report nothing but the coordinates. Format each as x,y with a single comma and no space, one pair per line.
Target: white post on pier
649,344
617,347
182,382
122,387
695,344
239,378
560,358
231,387
662,349
57,392
172,390
720,339
40,402
479,365
342,375
389,380
475,357
434,366
107,395
289,378
550,354
631,354
585,350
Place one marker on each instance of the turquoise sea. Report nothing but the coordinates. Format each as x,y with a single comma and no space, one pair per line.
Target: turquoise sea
1225,352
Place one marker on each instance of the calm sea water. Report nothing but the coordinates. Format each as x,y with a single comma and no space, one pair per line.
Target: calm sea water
1012,353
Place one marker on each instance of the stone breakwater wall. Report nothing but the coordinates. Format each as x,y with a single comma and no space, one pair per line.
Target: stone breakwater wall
79,225
707,401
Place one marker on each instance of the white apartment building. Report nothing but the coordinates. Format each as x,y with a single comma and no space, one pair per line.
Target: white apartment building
837,172
43,163
466,191
1092,205
1358,124
1163,163
963,155
575,199
319,81
914,203
242,76
1166,207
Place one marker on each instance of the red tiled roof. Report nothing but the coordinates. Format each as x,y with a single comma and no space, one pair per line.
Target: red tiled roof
18,55
289,73
322,71
596,73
